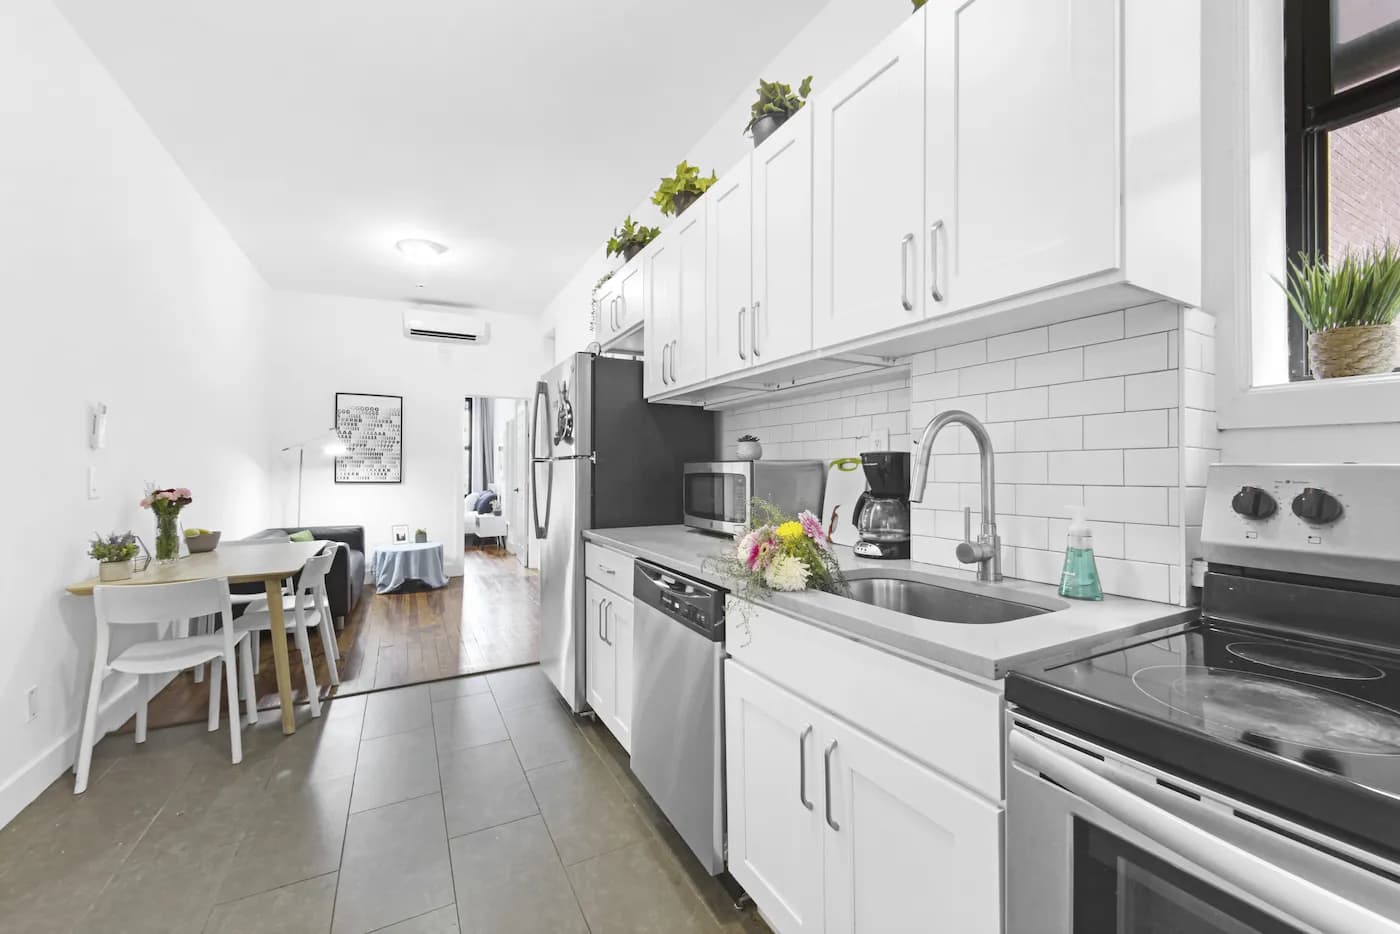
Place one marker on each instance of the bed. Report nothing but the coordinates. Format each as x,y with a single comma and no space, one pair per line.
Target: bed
483,524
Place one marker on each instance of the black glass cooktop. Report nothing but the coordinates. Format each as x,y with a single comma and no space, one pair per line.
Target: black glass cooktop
1300,725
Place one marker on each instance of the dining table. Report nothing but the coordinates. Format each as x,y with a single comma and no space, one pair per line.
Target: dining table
268,563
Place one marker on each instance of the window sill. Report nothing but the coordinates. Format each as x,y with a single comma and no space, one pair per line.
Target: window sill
1352,400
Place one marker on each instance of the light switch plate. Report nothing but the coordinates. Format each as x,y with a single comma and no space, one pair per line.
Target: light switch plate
92,483
877,440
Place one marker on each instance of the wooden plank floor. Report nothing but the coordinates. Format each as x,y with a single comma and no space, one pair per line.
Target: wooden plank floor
487,619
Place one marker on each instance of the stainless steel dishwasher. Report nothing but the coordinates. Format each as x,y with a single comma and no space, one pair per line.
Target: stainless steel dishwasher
678,711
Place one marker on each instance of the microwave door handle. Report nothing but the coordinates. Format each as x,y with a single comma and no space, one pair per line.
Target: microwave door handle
1300,899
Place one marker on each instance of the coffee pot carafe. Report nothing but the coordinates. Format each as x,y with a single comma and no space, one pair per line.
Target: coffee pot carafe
882,511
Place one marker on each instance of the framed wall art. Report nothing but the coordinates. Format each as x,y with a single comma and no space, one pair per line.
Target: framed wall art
371,427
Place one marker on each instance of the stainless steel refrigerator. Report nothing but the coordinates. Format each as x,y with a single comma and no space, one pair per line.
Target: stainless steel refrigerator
600,457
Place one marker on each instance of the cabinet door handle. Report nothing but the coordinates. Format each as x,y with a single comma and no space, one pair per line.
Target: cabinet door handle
600,620
802,767
904,289
933,290
621,310
671,356
664,348
742,312
753,338
826,762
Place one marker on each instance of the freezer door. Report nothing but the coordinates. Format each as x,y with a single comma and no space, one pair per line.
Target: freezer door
561,580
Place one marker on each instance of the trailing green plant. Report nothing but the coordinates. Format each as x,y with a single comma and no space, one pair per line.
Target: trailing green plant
686,181
630,236
774,97
1359,290
118,546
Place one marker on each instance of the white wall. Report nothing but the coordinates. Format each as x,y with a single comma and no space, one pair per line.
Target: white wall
118,285
832,41
329,344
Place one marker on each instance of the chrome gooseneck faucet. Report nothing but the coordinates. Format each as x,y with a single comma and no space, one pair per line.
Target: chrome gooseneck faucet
985,552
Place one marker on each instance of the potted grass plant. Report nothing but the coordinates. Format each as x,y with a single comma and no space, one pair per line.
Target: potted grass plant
629,239
1349,308
679,191
776,102
114,554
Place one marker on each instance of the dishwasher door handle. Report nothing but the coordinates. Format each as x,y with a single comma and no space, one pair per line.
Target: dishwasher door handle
802,767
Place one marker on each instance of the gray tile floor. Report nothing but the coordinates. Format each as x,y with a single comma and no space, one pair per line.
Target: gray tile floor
475,805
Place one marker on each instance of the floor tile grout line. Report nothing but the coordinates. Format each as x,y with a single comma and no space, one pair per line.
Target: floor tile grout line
442,802
345,834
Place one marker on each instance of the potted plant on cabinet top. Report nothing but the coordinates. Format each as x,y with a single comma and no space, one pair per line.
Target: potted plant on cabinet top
679,191
776,102
113,553
627,241
919,3
749,448
1349,309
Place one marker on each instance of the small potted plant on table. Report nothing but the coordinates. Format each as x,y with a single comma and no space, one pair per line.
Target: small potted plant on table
749,448
1349,309
776,102
629,239
114,554
679,191
420,536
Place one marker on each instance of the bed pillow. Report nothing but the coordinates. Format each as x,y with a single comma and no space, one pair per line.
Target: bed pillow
483,505
470,500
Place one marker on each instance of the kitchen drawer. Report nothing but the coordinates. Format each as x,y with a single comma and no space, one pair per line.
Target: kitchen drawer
610,568
944,721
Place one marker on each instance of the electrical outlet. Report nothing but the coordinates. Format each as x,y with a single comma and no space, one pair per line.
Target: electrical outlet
877,440
92,483
32,702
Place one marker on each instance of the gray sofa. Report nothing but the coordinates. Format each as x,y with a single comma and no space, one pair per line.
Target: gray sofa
346,580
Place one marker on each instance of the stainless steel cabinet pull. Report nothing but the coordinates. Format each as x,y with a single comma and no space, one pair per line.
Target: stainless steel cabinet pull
742,312
826,761
753,340
802,767
607,624
600,621
671,356
933,289
621,310
664,348
904,272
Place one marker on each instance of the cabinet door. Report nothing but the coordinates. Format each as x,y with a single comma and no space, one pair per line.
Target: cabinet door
687,360
906,849
868,166
599,659
1034,132
774,816
604,307
662,289
631,302
619,632
730,262
782,242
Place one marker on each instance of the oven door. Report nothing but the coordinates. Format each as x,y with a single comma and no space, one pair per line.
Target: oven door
716,495
1097,844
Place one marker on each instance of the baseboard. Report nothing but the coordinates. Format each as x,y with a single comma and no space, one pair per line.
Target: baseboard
40,772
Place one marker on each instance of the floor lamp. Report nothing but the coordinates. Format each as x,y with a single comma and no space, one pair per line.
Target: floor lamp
329,445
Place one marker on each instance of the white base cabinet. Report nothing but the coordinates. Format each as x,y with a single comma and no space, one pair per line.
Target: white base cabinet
608,657
832,830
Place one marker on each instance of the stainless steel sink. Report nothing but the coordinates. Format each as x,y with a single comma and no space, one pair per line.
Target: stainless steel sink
931,601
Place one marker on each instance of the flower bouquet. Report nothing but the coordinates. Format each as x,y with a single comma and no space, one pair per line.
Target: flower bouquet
166,504
781,553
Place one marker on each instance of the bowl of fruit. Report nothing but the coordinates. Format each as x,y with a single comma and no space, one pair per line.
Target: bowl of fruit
201,540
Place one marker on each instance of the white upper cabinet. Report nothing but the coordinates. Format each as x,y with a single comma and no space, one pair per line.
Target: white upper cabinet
782,241
1024,136
868,208
675,317
730,315
631,302
662,277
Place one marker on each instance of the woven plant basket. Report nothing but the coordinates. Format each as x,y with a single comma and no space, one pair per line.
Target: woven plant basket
1355,351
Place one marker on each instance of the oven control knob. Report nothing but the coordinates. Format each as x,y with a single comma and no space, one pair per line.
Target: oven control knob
1253,503
1317,506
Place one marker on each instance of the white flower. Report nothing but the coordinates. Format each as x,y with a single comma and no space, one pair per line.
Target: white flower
786,573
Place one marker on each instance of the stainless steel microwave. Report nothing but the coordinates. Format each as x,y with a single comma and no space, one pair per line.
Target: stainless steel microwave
718,494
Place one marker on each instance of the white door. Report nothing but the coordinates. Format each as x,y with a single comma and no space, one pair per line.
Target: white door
773,782
782,242
663,295
730,263
687,360
598,666
1035,131
868,208
907,851
619,633
631,302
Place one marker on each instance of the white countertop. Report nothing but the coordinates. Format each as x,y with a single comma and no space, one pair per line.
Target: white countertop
987,650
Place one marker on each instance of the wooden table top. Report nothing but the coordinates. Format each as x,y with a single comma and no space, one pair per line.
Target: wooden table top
240,562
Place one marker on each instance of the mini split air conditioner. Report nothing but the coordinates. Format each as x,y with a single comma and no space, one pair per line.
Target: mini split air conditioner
444,326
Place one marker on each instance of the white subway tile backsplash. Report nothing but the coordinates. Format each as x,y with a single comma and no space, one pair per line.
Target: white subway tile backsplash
987,377
934,386
1020,344
1126,430
1199,428
872,403
1202,322
1017,467
1159,543
1137,579
1149,319
1084,331
955,468
960,355
1132,355
1151,466
1043,566
1108,536
855,426
1086,467
1047,500
1145,504
1061,366
1195,462
1018,404
1198,390
1023,531
1150,390
1050,434
1090,397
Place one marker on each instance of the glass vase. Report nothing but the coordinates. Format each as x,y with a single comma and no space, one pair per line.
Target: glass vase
168,538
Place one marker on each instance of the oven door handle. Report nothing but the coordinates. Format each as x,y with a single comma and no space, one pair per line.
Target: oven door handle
1301,900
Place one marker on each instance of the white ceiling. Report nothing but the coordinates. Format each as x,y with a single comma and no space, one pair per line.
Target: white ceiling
322,131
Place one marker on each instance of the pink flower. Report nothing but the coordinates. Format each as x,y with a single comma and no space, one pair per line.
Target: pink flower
812,527
146,503
183,493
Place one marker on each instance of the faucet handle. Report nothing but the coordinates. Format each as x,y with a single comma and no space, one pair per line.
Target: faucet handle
967,523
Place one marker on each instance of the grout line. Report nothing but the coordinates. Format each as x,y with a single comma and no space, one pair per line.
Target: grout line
442,802
345,833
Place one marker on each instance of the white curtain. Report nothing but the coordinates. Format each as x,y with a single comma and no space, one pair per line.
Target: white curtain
486,437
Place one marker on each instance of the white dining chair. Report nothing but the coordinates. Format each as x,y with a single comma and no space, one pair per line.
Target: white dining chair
306,603
155,606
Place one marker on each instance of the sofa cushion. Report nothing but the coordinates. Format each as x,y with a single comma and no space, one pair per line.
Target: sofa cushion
303,536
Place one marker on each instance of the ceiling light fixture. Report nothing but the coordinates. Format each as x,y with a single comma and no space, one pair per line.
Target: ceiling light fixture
421,251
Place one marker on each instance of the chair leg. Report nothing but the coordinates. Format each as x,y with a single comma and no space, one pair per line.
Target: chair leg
143,701
330,648
250,693
215,684
235,733
256,636
89,738
304,646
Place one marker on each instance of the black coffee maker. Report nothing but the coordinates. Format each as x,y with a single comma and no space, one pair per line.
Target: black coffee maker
882,512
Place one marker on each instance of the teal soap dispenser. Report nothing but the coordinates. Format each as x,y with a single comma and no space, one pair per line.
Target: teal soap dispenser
1080,578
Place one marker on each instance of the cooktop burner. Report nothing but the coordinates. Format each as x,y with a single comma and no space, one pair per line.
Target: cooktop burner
1305,661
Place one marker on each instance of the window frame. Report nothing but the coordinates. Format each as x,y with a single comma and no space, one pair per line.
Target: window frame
1311,111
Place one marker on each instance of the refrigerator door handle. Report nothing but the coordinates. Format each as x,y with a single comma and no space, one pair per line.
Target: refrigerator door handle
541,406
541,528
